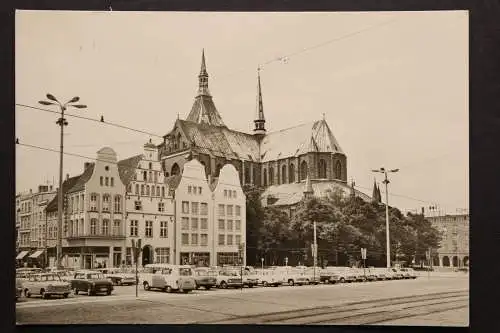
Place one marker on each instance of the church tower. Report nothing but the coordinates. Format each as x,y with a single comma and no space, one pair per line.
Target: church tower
260,121
203,110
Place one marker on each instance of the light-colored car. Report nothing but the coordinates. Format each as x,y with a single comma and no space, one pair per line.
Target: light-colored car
380,273
24,273
409,273
227,278
46,285
270,277
168,278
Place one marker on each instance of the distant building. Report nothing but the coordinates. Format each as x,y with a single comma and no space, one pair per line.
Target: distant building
454,249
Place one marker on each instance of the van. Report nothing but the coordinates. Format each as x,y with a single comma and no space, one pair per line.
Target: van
168,278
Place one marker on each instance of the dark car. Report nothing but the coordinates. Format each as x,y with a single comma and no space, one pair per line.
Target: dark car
91,282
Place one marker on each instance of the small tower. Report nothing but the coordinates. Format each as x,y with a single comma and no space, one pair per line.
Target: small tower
260,121
203,77
308,190
150,151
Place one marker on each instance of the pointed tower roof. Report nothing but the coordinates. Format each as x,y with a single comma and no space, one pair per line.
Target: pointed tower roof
375,191
260,120
203,110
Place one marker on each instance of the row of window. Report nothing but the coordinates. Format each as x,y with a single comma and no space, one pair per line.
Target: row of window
107,181
200,208
302,172
138,206
229,225
229,239
148,230
154,191
229,194
151,176
106,207
228,210
194,223
194,189
105,228
26,207
193,240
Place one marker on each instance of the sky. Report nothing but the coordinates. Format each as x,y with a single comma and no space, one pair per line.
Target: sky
393,87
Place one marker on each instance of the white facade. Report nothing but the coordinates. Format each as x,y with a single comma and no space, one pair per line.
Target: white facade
199,237
150,210
94,227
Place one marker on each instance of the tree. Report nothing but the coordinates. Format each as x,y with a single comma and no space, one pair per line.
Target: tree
254,218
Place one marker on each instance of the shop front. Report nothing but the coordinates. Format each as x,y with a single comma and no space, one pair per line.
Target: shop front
200,259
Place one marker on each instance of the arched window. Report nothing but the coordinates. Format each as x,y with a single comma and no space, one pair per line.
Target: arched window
338,170
271,175
163,191
255,175
264,173
150,179
322,168
152,191
247,175
446,261
455,261
137,189
291,174
144,176
303,170
117,204
158,190
142,189
466,261
283,174
147,189
175,169
178,141
150,165
129,188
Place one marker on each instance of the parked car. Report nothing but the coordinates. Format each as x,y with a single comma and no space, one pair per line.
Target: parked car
270,277
228,279
329,275
19,288
380,273
168,278
409,273
346,274
25,272
91,282
65,275
46,285
118,276
205,277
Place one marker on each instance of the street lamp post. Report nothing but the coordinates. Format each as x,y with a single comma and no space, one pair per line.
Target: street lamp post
386,182
61,122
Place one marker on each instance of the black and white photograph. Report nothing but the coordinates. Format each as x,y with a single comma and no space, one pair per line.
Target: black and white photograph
249,168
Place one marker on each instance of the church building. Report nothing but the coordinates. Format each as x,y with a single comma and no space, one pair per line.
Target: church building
279,161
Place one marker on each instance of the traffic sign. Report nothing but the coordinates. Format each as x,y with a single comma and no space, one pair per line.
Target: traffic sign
363,253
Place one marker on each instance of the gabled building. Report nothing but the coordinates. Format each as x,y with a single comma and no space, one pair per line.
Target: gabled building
149,207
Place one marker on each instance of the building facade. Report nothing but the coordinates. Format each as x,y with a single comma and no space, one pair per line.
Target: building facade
149,208
454,249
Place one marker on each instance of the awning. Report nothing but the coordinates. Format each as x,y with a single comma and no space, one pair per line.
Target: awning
21,255
36,254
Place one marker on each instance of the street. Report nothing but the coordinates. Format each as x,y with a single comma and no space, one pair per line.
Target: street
435,301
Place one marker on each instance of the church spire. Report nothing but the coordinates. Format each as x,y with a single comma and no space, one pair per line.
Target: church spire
259,121
203,77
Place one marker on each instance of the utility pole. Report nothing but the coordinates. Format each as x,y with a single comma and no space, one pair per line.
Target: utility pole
315,253
61,122
388,243
136,251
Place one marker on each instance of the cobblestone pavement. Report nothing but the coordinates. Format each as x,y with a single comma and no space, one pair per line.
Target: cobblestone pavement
324,302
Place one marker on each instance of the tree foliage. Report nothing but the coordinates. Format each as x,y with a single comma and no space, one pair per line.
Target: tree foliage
344,224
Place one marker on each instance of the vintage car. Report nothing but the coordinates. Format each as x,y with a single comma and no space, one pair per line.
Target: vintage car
64,274
46,285
396,274
19,288
247,279
24,273
91,282
408,273
168,278
205,277
228,278
118,276
329,275
380,273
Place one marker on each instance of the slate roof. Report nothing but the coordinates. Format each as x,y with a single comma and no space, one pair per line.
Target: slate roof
293,193
309,137
221,141
127,168
83,179
67,184
204,111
